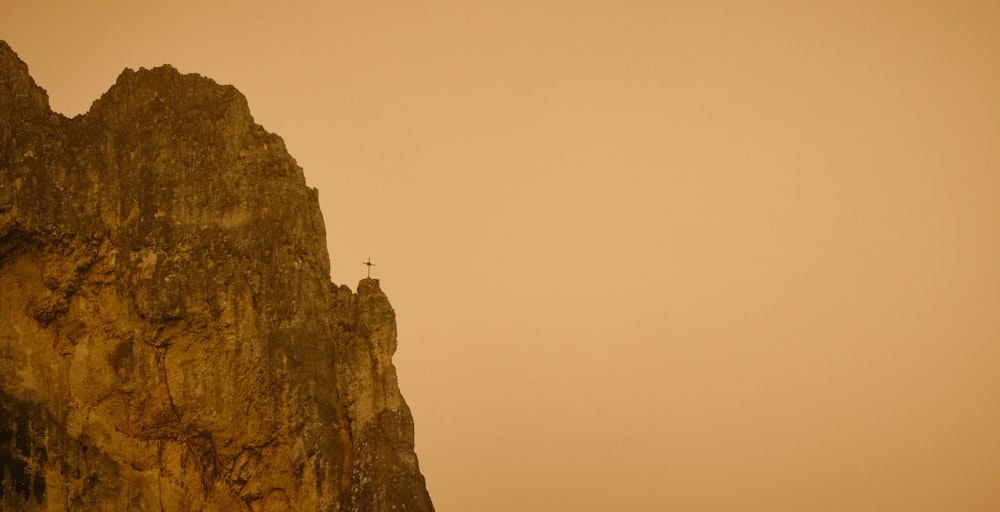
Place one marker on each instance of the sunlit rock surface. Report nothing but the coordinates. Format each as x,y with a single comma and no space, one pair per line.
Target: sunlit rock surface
169,335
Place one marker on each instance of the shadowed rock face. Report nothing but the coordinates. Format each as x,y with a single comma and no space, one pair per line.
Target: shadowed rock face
169,335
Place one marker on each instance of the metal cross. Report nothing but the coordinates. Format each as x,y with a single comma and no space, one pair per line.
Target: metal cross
370,265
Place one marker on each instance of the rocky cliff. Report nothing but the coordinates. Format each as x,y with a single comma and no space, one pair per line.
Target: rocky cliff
169,335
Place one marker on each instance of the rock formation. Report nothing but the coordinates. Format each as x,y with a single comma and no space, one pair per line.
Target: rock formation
169,335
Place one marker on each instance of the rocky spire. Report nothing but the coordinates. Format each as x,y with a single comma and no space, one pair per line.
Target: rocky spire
19,95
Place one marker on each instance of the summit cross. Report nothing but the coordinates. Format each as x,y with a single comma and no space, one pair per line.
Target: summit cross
370,265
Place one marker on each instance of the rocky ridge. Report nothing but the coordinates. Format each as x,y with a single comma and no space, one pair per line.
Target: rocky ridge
169,335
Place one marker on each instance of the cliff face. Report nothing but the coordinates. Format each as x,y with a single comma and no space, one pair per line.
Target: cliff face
169,335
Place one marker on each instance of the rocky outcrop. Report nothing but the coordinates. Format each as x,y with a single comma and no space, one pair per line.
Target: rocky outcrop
169,335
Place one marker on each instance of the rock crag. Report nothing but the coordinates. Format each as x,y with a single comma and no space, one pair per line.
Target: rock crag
169,335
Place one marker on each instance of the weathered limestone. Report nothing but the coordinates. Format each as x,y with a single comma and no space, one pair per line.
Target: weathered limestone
169,335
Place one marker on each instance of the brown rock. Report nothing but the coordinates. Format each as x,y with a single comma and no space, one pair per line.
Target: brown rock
169,335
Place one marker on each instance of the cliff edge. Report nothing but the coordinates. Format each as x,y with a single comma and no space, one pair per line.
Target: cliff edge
169,335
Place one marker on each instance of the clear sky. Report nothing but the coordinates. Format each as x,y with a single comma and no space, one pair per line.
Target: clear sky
645,255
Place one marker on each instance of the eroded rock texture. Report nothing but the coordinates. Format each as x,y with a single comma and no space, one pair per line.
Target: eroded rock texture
169,335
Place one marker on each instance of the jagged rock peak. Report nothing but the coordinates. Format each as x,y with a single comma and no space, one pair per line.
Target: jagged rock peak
166,87
170,337
18,91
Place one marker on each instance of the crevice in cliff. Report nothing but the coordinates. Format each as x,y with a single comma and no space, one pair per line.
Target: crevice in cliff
202,446
161,361
159,472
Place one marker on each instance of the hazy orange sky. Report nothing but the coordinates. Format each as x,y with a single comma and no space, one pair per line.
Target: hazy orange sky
645,256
